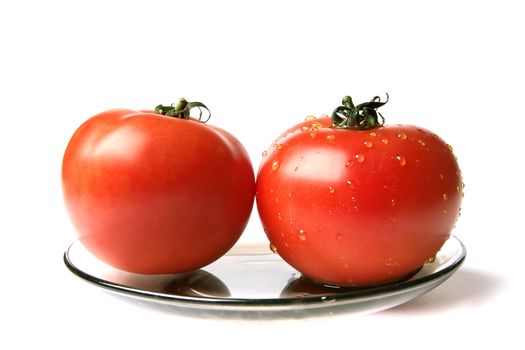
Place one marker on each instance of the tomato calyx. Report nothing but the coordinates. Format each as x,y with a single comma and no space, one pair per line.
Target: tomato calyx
364,116
183,109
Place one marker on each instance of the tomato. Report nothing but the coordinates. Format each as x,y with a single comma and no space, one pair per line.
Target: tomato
349,201
151,193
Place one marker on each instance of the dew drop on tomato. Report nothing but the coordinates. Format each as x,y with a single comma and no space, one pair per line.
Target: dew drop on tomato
402,160
430,260
316,126
302,235
402,136
275,165
359,157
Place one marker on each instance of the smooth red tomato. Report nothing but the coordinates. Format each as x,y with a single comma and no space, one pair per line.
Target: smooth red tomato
149,193
360,204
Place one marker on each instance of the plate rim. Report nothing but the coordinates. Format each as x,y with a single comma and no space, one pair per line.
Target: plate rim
308,301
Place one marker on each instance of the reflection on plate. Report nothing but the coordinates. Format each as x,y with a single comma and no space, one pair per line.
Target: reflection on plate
252,279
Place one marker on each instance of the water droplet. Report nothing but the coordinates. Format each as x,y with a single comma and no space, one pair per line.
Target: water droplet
430,260
264,153
338,236
331,189
368,144
278,146
330,137
402,136
359,157
441,176
422,143
402,160
273,248
444,211
373,134
316,126
305,128
275,165
302,235
312,134
349,164
309,117
391,263
393,202
445,196
279,217
385,141
349,182
450,148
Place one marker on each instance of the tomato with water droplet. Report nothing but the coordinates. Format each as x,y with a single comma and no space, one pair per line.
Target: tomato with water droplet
153,193
400,208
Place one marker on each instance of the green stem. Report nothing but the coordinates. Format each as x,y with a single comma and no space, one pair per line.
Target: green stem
182,110
362,117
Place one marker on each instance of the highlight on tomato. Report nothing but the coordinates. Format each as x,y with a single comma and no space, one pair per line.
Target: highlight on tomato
350,201
157,191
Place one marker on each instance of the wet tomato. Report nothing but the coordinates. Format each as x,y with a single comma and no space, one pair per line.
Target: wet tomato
152,193
349,201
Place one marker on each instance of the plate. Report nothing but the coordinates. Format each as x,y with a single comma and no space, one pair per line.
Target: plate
250,278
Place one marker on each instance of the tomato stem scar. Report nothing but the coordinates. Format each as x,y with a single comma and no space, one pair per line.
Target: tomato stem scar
182,110
364,116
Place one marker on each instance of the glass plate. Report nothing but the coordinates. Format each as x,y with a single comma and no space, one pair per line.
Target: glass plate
250,278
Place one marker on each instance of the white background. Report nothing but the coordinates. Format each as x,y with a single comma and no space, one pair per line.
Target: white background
455,67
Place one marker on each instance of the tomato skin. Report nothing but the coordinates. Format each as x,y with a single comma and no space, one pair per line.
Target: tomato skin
358,207
153,194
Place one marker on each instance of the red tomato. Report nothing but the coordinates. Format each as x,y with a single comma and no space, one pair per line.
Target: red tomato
360,203
149,193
